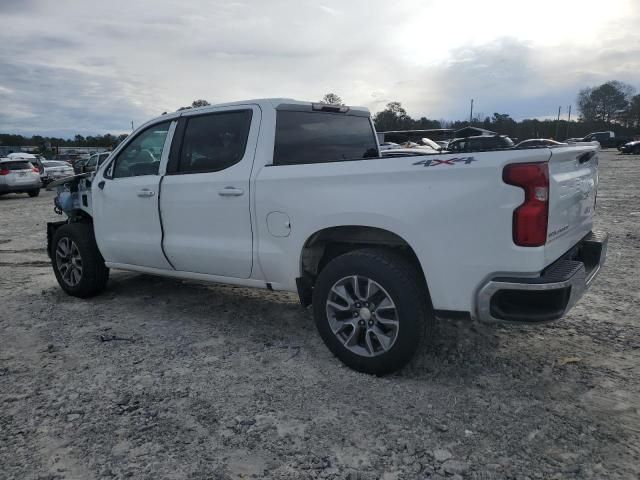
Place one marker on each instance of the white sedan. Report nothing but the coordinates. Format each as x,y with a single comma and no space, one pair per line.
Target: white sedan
55,169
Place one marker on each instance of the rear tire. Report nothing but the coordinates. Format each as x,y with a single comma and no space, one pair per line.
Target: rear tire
34,193
77,262
371,309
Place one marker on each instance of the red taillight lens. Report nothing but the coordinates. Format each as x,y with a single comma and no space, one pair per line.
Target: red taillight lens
531,218
35,169
4,171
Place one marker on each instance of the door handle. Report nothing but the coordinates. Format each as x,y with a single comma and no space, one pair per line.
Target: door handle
230,192
145,192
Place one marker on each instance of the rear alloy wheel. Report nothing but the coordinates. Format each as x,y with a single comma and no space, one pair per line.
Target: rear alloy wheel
362,315
77,262
371,309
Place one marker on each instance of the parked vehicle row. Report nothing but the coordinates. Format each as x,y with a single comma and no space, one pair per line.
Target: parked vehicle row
470,140
477,143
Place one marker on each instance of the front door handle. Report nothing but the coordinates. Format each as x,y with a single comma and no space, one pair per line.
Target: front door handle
145,192
230,192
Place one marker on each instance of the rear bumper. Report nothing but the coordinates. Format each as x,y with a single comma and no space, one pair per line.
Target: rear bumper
546,297
20,188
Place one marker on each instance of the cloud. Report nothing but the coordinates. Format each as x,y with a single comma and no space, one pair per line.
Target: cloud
91,67
61,101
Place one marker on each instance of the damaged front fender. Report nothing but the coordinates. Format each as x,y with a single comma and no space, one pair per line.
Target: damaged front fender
73,196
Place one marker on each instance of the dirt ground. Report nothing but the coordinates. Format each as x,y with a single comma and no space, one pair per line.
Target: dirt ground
160,378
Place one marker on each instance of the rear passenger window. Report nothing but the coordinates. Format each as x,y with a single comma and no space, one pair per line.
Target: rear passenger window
214,142
142,155
314,137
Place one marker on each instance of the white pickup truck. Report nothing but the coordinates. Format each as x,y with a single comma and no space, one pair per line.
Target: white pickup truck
295,196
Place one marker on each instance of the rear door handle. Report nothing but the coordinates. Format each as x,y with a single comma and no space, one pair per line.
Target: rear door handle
230,192
145,192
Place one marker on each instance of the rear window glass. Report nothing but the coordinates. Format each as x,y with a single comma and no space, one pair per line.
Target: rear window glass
16,166
313,137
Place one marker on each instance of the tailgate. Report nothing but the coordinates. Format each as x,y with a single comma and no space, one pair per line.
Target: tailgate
573,181
20,176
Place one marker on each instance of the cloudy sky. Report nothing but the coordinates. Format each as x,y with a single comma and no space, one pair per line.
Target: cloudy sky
93,66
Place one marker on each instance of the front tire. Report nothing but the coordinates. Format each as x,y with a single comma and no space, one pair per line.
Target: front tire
34,193
371,309
77,262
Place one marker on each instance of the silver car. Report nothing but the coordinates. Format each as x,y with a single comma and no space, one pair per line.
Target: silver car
56,169
19,176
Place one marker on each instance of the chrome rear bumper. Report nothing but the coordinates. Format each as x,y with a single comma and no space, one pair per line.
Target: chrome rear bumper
548,296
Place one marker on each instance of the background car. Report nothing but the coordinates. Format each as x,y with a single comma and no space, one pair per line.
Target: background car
538,142
56,169
19,176
94,162
480,143
427,142
79,164
389,146
631,147
35,160
68,157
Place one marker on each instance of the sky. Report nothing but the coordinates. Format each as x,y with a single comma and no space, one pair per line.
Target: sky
92,67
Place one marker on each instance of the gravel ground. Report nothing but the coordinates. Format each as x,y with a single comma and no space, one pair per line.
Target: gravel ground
159,378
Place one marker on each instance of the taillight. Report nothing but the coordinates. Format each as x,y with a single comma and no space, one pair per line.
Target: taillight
35,170
531,218
4,172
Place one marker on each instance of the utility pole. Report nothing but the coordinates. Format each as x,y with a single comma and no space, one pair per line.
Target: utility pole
558,123
132,125
568,121
471,113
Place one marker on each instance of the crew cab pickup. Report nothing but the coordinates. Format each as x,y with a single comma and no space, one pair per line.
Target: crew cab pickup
296,196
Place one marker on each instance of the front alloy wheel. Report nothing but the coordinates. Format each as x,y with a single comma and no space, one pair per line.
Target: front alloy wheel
76,260
69,261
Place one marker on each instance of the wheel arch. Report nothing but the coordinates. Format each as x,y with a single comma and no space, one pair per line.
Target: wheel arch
324,245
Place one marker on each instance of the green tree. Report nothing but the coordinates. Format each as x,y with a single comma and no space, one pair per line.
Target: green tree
632,114
195,104
332,99
393,117
503,123
603,103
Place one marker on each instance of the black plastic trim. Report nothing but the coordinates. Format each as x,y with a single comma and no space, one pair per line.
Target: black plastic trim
296,107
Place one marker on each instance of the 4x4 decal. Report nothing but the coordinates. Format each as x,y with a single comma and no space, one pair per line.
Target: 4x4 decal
448,161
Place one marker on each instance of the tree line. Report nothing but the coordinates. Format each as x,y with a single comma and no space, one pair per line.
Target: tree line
614,105
106,140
